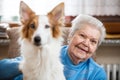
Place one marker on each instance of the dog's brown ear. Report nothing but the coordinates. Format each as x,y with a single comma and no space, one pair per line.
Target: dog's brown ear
57,12
25,12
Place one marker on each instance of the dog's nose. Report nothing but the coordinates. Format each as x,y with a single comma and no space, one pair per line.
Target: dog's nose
37,40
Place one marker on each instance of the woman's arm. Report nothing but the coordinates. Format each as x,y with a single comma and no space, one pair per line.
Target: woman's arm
9,68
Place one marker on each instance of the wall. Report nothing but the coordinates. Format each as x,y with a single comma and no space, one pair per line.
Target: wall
109,52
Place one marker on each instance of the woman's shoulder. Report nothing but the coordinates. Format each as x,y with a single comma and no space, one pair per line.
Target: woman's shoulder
97,69
64,46
63,53
95,66
94,63
64,49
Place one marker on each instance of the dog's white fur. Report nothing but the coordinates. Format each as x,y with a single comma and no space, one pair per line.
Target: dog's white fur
41,62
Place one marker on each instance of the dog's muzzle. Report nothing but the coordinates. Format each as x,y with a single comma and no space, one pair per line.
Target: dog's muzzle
37,40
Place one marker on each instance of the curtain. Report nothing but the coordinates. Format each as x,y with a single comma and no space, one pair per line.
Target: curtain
92,7
9,10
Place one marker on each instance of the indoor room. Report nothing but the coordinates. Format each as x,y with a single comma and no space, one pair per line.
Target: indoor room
107,54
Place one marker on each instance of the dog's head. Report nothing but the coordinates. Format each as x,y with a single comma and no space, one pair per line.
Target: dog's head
41,29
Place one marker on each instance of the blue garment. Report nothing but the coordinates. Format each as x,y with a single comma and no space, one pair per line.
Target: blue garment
87,70
9,69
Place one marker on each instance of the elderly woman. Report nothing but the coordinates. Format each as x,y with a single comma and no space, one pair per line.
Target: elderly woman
85,36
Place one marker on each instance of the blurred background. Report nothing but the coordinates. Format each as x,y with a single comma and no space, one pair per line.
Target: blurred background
108,11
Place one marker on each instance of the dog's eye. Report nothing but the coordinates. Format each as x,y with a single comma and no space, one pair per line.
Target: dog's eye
32,25
47,26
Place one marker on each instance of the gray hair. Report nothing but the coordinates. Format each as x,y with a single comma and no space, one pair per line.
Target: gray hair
81,20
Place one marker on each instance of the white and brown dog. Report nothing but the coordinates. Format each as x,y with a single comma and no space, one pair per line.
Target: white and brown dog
40,42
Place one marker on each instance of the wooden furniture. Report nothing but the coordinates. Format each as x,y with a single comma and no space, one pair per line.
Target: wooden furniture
112,23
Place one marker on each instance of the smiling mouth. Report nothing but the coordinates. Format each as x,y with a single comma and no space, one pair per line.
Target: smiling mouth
81,49
82,52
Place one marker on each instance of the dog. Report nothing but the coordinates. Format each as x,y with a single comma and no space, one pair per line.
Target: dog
40,43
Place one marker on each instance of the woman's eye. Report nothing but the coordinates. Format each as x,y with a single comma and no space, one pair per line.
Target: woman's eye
32,25
47,26
81,35
93,42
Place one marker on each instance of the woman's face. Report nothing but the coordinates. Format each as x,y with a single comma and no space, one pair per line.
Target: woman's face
83,43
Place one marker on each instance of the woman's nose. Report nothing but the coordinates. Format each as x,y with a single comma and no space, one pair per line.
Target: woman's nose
86,42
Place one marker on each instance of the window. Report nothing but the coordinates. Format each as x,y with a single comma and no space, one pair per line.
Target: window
9,10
